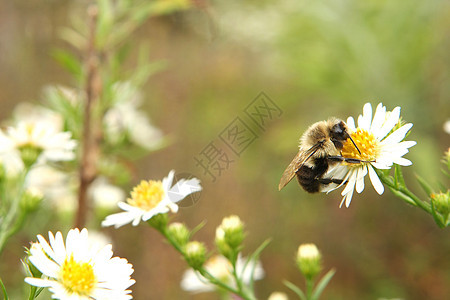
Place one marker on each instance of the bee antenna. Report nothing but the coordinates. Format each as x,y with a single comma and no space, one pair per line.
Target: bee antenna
354,144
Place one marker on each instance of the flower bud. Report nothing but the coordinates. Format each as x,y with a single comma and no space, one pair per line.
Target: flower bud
179,233
441,203
278,296
31,199
29,154
221,244
195,254
233,231
309,260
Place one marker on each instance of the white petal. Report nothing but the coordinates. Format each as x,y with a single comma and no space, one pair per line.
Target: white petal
348,198
46,247
120,219
167,181
365,120
136,221
39,282
360,179
57,243
383,162
378,119
392,120
351,124
195,283
402,161
351,183
398,135
173,207
398,148
377,185
338,172
47,266
183,188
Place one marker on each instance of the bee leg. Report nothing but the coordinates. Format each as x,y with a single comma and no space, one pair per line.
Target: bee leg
347,160
329,180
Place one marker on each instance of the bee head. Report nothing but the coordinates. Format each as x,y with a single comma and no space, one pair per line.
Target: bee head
339,132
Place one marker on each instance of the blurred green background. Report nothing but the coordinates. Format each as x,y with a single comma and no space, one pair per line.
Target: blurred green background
314,59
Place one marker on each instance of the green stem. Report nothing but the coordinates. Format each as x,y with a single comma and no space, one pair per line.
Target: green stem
5,294
10,223
205,273
235,274
404,193
309,288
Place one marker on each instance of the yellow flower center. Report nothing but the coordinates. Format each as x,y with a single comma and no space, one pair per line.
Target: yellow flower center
367,144
78,277
147,194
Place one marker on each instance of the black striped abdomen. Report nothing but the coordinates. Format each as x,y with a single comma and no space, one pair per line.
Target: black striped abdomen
308,177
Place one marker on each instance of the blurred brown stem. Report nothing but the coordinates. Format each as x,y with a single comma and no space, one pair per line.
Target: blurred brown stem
90,147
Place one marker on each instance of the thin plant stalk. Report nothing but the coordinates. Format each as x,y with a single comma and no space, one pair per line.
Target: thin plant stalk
90,148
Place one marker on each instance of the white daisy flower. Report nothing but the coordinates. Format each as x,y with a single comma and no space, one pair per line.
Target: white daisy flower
52,144
380,147
150,198
58,187
105,194
221,268
32,113
126,119
9,160
80,269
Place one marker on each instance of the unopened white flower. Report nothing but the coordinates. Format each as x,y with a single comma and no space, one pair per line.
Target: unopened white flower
125,118
58,187
381,146
105,194
221,268
308,251
79,269
150,198
309,260
447,126
278,296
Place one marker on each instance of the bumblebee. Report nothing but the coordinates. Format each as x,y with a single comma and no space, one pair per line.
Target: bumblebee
320,148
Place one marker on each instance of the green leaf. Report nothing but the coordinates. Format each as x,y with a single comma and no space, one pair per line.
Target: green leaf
402,196
105,23
295,289
5,294
254,258
322,284
399,180
74,38
425,186
69,62
197,228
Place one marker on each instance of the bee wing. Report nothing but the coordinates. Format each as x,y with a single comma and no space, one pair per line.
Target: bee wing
298,161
